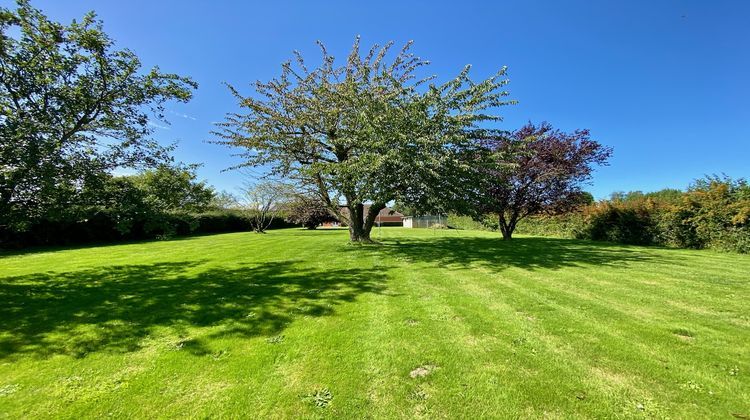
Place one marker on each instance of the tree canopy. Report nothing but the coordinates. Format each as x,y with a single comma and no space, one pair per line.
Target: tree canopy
72,107
172,188
370,130
546,175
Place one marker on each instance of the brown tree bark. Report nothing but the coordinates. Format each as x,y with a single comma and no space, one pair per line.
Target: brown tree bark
507,227
361,224
356,226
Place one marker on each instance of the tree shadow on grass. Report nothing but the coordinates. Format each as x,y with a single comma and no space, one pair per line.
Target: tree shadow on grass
117,308
529,253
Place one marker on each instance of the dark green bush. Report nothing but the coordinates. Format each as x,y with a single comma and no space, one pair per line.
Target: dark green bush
561,226
714,213
615,224
109,225
222,221
466,222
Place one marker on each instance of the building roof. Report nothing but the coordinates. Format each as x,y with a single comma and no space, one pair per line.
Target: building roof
387,212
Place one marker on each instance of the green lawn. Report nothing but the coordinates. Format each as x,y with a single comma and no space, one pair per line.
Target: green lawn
432,323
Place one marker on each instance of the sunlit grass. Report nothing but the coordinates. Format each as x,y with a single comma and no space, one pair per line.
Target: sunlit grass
430,323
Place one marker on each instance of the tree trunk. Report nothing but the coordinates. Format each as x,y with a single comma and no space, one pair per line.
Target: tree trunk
506,228
361,224
357,233
507,234
356,223
6,194
372,215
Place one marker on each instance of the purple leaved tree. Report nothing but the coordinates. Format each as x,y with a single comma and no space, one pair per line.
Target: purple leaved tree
548,168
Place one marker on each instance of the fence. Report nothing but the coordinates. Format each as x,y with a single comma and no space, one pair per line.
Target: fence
423,222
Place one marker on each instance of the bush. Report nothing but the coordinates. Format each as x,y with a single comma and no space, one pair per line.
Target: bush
714,213
562,226
108,225
222,221
455,221
607,222
674,229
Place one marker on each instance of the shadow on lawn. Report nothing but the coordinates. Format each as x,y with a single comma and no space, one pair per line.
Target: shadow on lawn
527,253
116,308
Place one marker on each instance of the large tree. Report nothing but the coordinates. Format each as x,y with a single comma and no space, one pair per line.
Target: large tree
175,187
367,131
72,107
545,176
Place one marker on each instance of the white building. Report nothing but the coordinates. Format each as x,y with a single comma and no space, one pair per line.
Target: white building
426,221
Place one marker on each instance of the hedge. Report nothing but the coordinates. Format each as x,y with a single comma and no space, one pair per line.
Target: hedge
102,225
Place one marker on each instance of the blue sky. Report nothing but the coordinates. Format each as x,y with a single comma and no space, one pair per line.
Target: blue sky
665,83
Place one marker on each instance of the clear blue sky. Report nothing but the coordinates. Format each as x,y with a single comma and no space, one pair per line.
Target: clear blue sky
665,83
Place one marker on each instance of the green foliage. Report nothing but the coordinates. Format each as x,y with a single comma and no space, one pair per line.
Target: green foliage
566,225
223,221
157,203
405,209
72,108
171,188
366,131
607,222
115,224
457,221
713,213
224,200
665,196
718,210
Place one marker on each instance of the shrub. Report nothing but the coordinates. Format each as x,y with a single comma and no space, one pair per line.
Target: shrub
608,222
566,225
713,213
109,225
466,222
222,221
718,209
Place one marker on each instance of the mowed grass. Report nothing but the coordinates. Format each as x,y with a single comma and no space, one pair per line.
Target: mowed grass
431,323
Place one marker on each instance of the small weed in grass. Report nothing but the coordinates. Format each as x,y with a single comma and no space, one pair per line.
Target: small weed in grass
692,386
412,322
683,333
422,371
181,344
8,389
321,398
219,354
277,339
419,394
520,341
